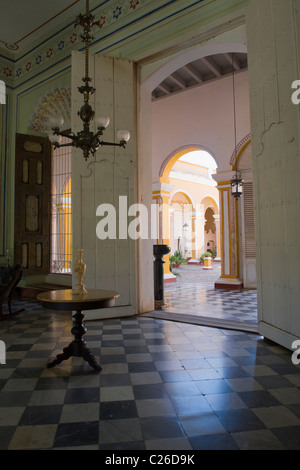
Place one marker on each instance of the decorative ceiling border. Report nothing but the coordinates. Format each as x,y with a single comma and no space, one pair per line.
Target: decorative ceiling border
58,47
113,18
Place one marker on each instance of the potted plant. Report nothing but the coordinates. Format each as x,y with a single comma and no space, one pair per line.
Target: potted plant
176,259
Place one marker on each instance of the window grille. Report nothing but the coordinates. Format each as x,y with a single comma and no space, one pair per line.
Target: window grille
61,211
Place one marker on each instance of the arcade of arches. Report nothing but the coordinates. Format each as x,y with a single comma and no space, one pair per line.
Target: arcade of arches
198,213
190,216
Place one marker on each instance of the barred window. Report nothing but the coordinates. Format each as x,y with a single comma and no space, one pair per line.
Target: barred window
61,211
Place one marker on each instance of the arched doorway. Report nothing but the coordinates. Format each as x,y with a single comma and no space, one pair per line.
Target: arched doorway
185,191
181,225
207,120
211,229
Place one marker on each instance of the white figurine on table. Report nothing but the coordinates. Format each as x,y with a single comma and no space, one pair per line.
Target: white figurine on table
79,270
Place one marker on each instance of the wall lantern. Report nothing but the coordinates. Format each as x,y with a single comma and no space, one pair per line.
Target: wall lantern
236,186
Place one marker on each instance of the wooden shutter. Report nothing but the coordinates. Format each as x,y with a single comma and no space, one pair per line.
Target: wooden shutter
32,203
250,241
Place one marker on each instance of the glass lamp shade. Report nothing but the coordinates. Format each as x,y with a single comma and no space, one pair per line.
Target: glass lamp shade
102,122
123,136
55,121
54,139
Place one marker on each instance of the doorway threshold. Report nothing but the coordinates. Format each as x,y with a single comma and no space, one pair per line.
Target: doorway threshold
204,321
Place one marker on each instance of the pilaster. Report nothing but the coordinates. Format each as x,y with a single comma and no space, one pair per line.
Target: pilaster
229,240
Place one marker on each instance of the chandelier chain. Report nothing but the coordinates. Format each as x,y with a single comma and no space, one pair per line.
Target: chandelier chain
85,139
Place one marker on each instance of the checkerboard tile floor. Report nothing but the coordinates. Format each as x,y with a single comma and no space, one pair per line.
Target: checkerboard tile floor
195,286
193,298
164,386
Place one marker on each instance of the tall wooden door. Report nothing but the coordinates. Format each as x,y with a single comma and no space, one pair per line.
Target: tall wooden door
100,181
32,203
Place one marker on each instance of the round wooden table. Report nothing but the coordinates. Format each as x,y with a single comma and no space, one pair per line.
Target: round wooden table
67,301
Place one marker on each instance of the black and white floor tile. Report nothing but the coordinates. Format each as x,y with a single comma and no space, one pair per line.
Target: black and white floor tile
194,299
164,385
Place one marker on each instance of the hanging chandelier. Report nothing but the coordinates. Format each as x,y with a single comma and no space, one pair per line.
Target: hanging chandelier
86,139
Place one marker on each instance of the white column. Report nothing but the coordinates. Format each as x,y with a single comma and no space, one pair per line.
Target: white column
199,244
218,237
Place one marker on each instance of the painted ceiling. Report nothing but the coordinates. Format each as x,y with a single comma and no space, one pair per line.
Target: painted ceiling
23,22
36,35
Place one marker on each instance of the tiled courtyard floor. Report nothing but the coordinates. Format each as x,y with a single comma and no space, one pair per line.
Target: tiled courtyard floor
164,385
194,299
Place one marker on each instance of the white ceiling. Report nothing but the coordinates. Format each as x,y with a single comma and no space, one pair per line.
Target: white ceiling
199,72
24,21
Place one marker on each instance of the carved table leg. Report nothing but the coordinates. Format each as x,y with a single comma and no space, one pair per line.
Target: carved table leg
78,347
66,354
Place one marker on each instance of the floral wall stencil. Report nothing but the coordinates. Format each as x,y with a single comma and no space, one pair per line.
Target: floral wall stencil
55,102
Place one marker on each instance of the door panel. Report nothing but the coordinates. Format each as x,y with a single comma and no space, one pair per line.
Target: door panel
110,262
32,203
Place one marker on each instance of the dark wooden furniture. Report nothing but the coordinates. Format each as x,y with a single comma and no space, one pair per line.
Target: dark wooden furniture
6,274
6,292
32,203
65,300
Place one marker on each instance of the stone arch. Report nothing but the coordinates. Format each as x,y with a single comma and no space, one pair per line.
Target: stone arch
187,196
182,225
193,207
213,204
172,158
